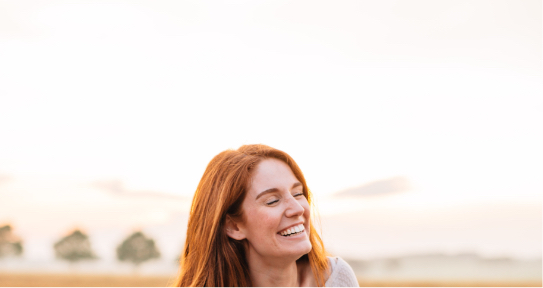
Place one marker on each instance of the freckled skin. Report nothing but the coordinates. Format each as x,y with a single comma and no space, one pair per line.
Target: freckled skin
263,219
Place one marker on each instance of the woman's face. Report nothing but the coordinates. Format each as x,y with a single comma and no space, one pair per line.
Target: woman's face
276,212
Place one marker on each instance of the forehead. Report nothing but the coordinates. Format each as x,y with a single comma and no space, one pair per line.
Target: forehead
271,173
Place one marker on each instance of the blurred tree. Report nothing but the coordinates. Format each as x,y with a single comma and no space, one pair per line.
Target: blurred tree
137,249
10,245
74,247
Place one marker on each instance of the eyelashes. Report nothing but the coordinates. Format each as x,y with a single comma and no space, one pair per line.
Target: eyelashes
277,200
272,202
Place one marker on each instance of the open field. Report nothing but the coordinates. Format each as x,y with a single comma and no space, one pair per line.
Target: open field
86,280
447,284
81,280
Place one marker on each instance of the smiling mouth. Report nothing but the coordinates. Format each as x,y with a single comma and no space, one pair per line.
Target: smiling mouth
292,231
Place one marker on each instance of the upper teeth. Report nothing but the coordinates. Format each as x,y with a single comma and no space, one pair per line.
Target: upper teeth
294,229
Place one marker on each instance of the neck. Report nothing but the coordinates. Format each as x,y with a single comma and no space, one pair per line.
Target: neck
273,272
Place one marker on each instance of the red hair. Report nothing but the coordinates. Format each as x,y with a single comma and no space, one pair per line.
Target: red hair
210,257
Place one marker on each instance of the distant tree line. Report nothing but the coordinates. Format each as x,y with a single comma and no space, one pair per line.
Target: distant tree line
10,244
136,248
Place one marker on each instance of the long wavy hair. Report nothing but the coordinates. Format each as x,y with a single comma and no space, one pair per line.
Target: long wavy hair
210,257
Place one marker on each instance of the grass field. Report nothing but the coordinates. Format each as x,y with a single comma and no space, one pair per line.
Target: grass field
447,284
81,280
85,280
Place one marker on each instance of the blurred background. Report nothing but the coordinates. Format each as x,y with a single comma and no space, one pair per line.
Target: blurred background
417,125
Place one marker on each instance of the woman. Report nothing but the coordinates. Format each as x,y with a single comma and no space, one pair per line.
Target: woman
250,225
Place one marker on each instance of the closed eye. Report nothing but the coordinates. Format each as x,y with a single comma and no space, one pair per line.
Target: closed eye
298,194
271,202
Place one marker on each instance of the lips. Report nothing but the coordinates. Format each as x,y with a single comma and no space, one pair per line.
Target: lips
293,230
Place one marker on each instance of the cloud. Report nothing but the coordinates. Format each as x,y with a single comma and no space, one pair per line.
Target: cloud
116,187
387,186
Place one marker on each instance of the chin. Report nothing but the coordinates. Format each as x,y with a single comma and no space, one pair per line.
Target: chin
308,249
303,249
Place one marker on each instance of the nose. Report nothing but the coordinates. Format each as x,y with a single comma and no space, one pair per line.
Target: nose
294,208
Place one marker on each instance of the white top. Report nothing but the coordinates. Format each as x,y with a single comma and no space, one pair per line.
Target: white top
342,274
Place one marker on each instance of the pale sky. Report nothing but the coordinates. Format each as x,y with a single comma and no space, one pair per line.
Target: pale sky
446,94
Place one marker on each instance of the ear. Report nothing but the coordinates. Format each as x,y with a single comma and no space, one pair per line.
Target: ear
233,229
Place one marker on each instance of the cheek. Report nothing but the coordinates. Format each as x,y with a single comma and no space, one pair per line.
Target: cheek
307,209
263,222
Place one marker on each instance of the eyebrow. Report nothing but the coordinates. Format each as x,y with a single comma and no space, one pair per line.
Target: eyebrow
271,190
